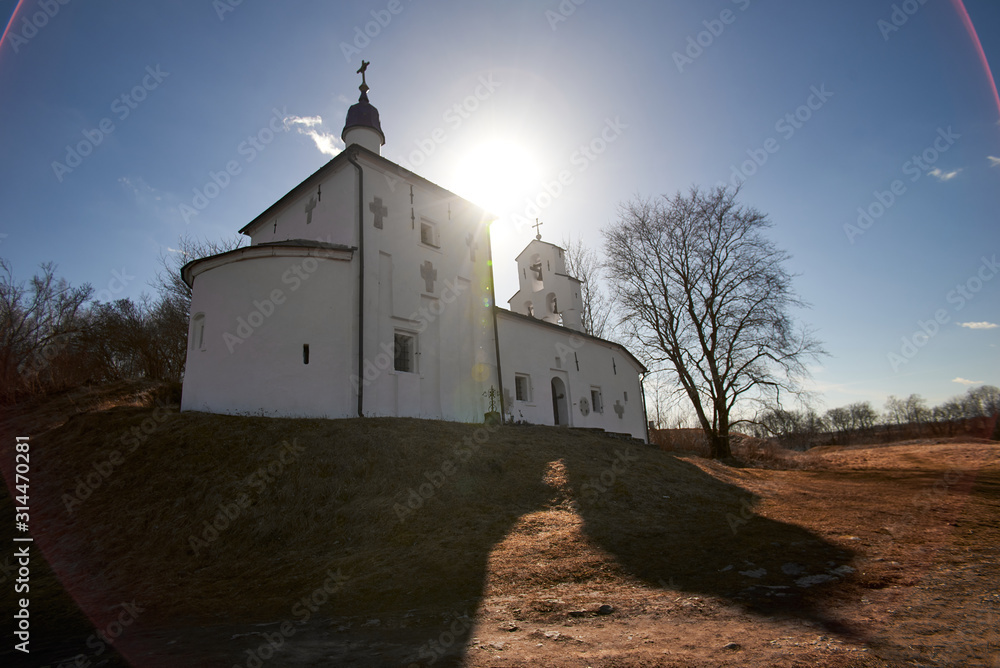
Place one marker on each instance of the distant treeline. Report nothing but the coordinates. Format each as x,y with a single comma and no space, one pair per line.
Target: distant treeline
54,336
972,414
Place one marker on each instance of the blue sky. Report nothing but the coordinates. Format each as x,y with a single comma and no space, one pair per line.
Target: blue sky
821,106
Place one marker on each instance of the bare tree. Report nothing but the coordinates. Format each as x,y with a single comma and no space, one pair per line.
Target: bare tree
982,401
170,316
38,322
168,282
706,295
583,262
863,415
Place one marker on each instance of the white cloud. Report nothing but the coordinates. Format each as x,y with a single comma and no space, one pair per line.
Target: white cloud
307,121
994,162
963,381
978,325
327,143
943,176
154,202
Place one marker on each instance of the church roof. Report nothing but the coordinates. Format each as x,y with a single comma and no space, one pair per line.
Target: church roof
289,247
341,160
572,332
308,243
538,241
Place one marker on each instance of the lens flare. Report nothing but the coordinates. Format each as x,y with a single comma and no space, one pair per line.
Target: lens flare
969,28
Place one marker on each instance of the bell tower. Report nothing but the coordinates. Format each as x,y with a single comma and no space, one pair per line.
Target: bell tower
546,291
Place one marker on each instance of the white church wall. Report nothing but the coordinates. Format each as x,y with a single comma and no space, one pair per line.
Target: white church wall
257,315
537,353
426,265
326,212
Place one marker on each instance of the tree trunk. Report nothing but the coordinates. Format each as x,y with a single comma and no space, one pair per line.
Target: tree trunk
718,446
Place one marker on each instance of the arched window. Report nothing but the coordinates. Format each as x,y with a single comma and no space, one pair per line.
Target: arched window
536,272
551,303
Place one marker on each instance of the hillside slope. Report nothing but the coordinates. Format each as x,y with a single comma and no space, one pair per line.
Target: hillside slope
386,539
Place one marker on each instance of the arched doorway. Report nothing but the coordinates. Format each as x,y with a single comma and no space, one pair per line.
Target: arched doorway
560,412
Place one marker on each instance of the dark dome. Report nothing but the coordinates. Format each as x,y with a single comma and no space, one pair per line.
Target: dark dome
364,115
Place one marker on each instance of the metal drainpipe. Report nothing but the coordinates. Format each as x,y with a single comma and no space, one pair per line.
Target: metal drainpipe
496,331
645,415
352,158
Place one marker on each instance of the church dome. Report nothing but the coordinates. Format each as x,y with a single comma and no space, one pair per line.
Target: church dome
362,115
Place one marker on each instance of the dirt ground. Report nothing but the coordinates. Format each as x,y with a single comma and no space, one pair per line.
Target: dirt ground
917,526
865,556
922,521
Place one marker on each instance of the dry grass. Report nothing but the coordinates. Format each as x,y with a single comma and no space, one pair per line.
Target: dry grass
336,506
530,525
748,451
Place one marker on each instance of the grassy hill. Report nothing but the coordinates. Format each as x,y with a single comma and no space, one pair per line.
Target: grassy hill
400,529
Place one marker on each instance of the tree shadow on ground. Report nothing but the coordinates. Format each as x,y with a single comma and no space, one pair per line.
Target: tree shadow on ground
375,546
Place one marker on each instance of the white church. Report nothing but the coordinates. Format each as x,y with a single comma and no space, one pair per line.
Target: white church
368,291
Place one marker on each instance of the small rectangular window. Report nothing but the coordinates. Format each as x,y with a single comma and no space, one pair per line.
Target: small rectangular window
626,396
522,387
198,340
404,352
428,235
305,353
596,400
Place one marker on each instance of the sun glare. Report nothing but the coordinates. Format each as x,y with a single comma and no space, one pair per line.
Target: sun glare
498,175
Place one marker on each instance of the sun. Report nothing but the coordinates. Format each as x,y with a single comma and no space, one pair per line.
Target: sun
499,175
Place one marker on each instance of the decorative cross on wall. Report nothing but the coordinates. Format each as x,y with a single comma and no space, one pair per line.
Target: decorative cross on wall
379,210
619,408
310,205
470,240
429,274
